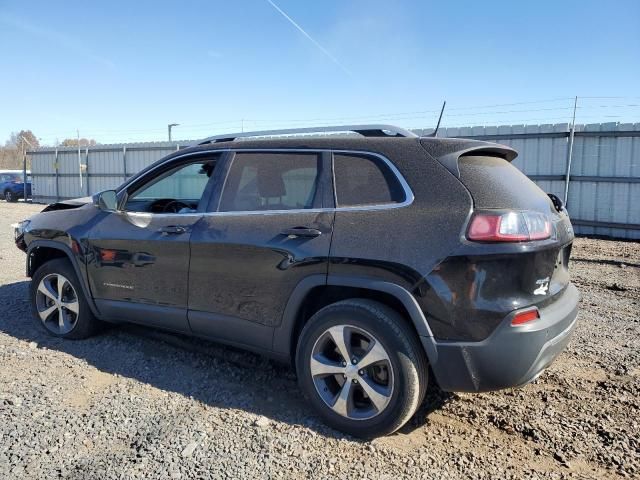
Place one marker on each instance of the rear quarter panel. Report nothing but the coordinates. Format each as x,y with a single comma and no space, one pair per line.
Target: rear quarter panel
402,245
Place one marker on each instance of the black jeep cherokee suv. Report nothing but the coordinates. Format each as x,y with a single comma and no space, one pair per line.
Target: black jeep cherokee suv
366,260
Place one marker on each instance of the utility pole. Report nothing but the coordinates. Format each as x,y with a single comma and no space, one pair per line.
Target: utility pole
169,127
570,154
24,166
79,161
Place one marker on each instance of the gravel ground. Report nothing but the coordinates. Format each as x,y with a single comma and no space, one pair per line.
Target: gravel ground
129,404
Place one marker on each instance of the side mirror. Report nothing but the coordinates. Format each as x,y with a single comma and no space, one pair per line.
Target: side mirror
106,201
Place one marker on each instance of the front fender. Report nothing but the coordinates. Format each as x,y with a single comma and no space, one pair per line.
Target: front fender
73,254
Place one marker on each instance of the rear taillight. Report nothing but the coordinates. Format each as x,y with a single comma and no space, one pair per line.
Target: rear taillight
509,227
525,317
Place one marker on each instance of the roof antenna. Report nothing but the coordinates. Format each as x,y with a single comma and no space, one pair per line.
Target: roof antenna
435,132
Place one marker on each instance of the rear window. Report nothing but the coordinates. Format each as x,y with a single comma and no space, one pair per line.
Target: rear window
496,183
365,180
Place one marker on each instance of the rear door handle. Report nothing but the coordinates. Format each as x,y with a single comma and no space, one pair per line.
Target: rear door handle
172,230
302,232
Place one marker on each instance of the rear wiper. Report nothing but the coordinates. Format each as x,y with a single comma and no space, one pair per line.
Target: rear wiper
557,203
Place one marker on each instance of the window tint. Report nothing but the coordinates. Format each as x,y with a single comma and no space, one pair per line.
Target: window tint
185,183
10,177
364,180
270,181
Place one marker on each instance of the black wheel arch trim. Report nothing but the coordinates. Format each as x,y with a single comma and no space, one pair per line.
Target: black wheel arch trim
74,262
283,336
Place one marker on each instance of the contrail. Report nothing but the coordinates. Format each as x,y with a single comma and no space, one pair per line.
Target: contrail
320,47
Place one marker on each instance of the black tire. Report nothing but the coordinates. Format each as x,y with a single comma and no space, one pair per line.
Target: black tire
9,196
406,357
85,323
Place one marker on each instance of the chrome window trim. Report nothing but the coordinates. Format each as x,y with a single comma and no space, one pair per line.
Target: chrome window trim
408,193
127,183
409,196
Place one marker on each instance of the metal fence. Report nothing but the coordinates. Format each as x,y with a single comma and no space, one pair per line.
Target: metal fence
603,182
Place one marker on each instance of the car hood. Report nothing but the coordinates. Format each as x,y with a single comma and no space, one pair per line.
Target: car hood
68,204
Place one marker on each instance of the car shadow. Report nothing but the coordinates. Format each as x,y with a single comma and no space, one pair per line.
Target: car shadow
208,372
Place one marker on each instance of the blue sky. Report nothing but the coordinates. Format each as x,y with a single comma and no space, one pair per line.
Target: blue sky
123,70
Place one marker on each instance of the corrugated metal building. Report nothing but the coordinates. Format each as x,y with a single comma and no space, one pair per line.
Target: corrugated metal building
604,187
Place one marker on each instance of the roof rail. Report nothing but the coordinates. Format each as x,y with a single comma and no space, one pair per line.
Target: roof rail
364,130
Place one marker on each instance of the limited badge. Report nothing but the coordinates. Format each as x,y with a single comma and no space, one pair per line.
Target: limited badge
543,286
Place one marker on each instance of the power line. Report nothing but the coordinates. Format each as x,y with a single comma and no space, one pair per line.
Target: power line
513,104
540,120
201,129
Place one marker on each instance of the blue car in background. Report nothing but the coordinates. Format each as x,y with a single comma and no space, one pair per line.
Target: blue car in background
12,185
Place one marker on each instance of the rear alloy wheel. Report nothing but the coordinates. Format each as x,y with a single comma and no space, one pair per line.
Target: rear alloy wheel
58,303
362,367
352,372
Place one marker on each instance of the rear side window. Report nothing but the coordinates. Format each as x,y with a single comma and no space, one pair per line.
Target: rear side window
271,181
365,180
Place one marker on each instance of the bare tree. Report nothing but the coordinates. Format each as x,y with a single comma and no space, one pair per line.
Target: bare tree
74,142
18,142
16,138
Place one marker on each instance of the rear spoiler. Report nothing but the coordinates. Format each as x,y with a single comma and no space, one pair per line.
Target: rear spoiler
457,148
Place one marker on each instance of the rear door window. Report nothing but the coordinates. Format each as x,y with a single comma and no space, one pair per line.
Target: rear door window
271,181
362,180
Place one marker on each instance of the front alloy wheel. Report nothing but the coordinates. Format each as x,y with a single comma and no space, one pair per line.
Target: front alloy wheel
57,304
352,372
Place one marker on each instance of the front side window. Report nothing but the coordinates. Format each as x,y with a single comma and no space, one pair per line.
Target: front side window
362,180
177,191
271,181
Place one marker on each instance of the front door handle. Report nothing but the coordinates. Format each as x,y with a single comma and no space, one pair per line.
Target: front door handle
172,230
301,232
140,259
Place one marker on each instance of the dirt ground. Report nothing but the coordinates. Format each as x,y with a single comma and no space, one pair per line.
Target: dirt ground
130,403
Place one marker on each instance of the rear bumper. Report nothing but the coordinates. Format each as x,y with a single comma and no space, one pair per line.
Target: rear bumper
510,356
